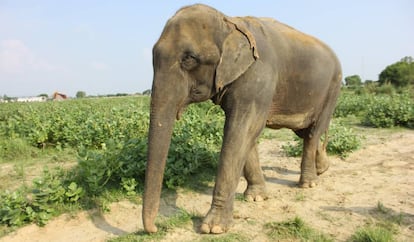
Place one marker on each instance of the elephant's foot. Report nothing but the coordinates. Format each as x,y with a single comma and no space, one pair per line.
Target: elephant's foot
308,182
321,169
217,221
322,163
255,193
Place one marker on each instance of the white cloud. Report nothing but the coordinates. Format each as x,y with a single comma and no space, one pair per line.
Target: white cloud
16,57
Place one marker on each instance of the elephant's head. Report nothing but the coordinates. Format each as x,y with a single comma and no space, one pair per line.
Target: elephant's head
199,53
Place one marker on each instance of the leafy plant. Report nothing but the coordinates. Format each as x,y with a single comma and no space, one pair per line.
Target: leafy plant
129,185
73,192
390,111
37,204
194,148
351,104
341,141
16,149
294,148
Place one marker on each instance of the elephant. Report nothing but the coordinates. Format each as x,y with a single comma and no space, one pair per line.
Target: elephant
262,73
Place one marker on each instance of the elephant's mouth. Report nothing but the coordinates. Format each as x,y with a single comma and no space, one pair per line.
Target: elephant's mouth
181,109
179,113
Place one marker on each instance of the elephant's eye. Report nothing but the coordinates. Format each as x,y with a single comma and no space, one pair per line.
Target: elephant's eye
189,62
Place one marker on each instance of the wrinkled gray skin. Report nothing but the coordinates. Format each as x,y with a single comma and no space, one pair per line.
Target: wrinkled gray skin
263,74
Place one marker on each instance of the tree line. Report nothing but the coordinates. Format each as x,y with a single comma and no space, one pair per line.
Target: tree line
399,75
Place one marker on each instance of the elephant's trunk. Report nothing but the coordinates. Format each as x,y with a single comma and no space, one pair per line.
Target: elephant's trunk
165,104
159,138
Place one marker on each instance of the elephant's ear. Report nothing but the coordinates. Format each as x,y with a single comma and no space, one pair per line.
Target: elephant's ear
239,51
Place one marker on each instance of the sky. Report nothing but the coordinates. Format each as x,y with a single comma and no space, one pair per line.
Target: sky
104,47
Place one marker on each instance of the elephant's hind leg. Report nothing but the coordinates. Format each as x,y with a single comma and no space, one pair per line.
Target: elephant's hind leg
308,174
256,190
308,177
322,161
314,161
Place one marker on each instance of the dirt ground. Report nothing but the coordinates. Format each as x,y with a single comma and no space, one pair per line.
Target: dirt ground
382,171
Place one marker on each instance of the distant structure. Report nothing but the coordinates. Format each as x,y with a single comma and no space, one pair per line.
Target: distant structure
56,97
2,100
31,99
59,96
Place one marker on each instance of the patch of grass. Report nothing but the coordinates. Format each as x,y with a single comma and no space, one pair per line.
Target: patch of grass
22,169
280,134
381,208
201,181
294,229
104,200
12,149
388,216
19,170
372,233
300,196
178,220
4,230
140,236
293,149
240,197
383,226
229,237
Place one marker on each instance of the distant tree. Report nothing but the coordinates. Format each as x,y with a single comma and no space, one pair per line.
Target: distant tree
9,99
80,94
6,98
354,80
399,74
121,94
146,92
43,95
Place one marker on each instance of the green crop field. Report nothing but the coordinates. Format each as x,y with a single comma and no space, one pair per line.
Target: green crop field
105,140
109,139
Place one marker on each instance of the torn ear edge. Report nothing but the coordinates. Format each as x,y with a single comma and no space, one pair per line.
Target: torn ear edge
242,29
239,51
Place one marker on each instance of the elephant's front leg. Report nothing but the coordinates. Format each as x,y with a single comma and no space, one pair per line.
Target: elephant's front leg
240,135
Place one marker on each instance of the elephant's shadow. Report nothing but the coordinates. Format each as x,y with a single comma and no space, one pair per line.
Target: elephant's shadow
379,213
283,172
169,196
99,220
168,203
169,208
